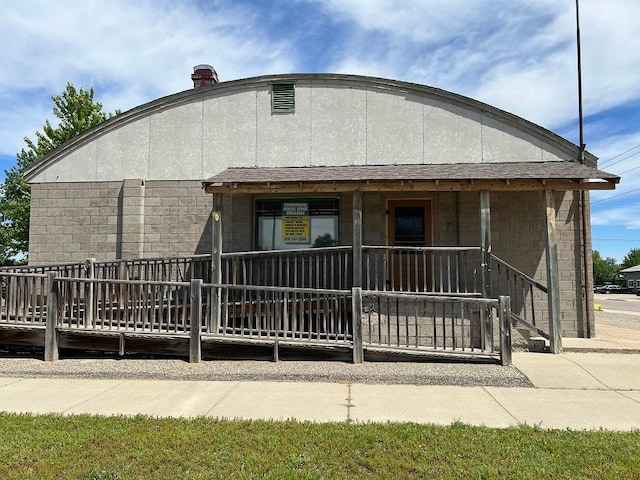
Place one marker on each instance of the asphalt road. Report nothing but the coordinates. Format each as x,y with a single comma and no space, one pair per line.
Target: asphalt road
623,302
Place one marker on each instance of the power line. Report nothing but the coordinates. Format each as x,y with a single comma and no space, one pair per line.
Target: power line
621,160
616,239
630,170
616,196
620,154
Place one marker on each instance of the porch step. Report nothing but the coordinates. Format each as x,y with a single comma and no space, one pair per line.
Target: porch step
535,344
538,344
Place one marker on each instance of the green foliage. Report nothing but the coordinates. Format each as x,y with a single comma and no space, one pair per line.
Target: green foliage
631,259
325,240
77,112
605,270
86,447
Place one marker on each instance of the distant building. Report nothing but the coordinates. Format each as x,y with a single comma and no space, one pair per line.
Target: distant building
632,277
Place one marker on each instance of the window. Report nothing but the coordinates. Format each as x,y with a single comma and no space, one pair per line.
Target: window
630,283
637,283
283,98
409,226
285,224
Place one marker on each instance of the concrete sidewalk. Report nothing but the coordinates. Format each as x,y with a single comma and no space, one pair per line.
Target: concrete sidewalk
573,390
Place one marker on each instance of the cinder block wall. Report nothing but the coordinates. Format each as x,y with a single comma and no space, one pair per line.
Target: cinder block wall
74,221
518,232
108,220
176,218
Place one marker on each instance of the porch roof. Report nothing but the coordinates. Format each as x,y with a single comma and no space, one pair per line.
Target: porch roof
434,177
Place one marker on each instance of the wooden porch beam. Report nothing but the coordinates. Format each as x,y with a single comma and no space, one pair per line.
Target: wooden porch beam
485,242
358,352
216,261
553,277
332,186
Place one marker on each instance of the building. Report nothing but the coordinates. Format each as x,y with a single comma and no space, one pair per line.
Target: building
632,278
298,160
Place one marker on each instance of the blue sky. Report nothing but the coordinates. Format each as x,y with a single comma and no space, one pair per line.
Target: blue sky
518,55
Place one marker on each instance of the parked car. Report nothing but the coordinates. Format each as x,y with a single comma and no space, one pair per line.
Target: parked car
609,289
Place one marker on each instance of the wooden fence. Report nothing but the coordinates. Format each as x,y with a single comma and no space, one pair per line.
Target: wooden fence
354,319
422,299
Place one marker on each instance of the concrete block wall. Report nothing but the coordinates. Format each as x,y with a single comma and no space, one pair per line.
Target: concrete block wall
108,220
176,218
131,244
519,237
74,221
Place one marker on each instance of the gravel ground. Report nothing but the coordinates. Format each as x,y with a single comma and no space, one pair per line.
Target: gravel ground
24,362
29,364
622,320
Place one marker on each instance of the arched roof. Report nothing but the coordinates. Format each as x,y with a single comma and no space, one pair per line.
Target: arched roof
464,104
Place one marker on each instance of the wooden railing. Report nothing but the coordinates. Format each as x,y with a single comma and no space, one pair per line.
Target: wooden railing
445,270
133,306
288,314
425,298
171,269
23,299
63,269
350,318
400,320
326,268
528,296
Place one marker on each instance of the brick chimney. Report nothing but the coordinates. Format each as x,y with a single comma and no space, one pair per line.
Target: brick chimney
204,75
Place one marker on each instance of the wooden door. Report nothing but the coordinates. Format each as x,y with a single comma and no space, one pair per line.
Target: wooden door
409,224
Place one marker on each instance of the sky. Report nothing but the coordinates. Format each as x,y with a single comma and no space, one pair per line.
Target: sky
517,55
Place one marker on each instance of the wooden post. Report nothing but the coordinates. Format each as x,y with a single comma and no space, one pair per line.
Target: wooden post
356,311
51,353
485,271
89,320
553,279
505,330
276,350
195,322
216,262
587,247
356,298
357,239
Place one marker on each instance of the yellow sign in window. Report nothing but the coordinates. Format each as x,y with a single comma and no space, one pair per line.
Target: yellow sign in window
296,224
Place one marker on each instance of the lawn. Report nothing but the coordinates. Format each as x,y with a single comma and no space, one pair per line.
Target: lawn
86,447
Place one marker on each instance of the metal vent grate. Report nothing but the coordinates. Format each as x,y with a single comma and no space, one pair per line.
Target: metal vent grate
283,98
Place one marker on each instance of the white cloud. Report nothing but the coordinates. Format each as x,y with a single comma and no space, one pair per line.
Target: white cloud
132,52
618,216
519,56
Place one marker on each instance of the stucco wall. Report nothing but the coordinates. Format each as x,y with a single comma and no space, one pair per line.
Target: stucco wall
334,123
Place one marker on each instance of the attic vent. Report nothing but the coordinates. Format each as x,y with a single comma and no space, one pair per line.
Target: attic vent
283,99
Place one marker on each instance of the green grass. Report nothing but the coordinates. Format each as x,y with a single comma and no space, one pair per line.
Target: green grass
98,448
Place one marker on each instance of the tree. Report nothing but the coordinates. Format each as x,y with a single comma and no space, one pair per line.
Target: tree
325,240
77,112
605,270
631,259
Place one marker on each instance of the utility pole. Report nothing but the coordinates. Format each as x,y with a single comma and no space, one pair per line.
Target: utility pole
587,260
582,145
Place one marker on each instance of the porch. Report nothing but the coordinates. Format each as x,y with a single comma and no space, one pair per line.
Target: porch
406,212
292,301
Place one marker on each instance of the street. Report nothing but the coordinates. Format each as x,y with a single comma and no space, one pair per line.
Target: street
623,302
